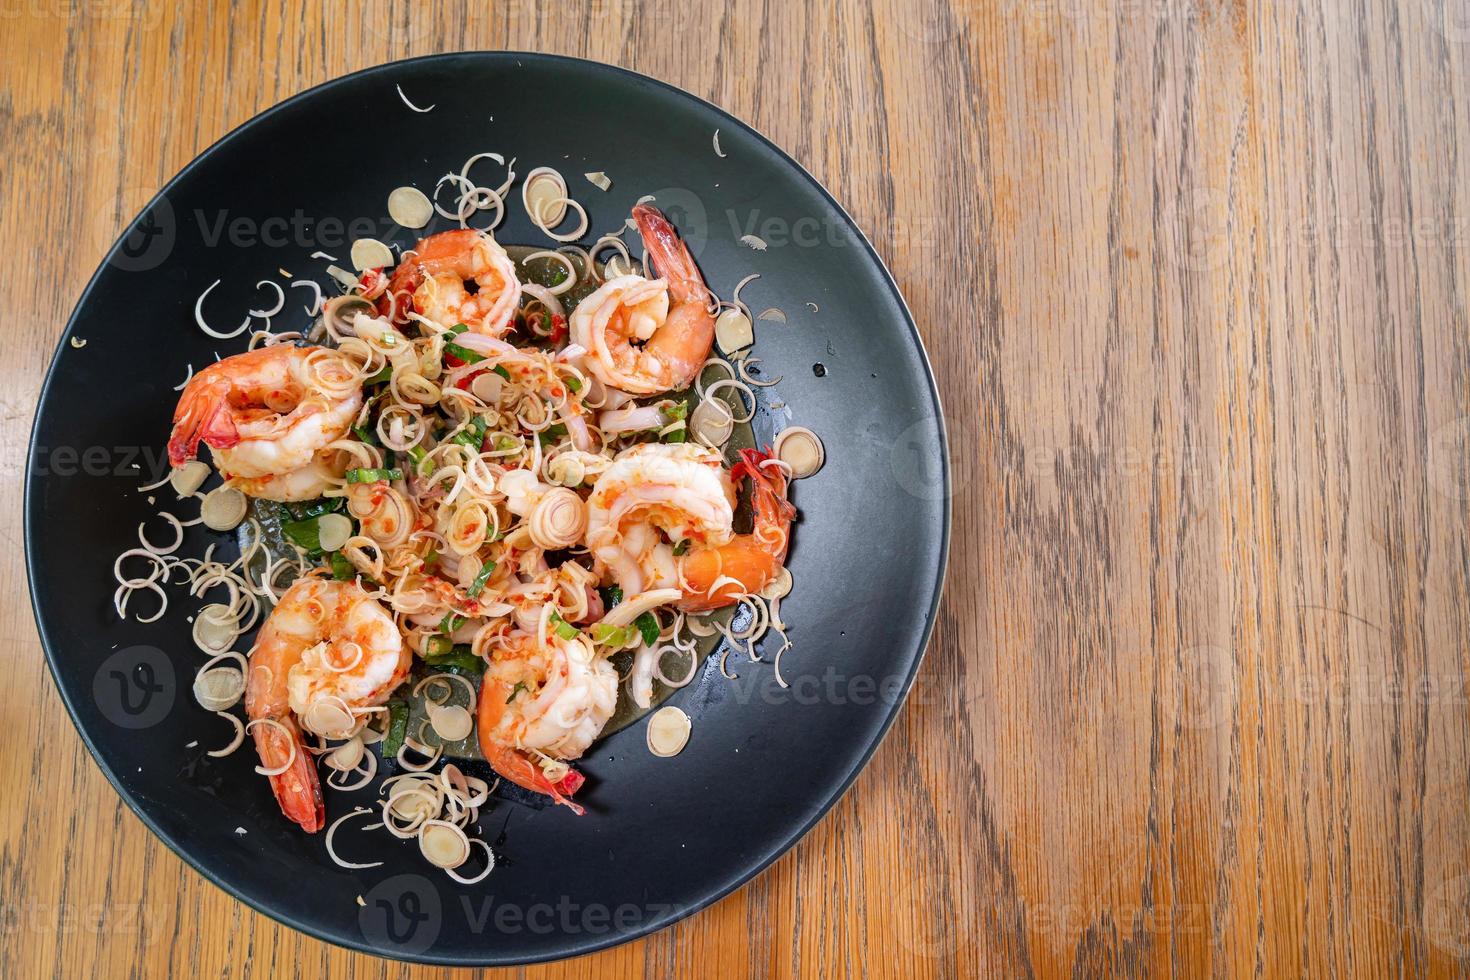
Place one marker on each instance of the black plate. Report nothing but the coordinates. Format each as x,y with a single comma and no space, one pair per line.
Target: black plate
662,837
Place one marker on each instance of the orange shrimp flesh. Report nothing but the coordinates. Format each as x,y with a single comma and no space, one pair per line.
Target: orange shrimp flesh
751,560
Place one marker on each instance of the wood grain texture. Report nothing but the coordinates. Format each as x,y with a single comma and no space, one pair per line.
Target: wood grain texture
1193,278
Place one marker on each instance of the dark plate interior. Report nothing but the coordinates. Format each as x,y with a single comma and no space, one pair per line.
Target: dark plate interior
662,837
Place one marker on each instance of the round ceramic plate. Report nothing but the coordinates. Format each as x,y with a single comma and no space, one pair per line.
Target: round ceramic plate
661,837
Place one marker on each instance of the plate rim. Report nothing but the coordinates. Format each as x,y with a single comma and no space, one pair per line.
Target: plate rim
722,890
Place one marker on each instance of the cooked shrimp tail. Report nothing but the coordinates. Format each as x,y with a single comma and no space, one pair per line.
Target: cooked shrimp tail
202,414
670,255
298,790
644,336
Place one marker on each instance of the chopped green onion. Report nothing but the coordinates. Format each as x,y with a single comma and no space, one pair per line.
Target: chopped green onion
397,728
456,330
473,434
500,370
564,629
478,585
342,569
363,475
450,623
648,626
420,455
613,636
573,384
504,443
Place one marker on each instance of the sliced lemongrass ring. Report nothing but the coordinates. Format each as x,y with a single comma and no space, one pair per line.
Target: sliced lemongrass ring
218,688
544,196
331,832
799,448
712,422
223,508
410,207
347,756
668,732
190,477
451,723
779,587
443,844
489,865
333,531
733,331
369,253
235,742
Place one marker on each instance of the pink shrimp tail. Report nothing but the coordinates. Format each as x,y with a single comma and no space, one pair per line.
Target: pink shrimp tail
670,255
200,415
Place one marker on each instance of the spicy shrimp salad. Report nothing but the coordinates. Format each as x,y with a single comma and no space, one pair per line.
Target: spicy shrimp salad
494,487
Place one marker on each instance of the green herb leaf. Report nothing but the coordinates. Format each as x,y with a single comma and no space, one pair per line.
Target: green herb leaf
648,627
305,535
478,585
520,686
611,595
681,547
397,728
450,623
500,370
459,657
552,433
342,569
383,375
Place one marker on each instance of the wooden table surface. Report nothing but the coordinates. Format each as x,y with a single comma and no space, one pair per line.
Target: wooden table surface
1193,278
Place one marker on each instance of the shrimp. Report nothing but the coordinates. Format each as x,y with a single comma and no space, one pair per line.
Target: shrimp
636,339
679,489
326,652
712,577
267,412
680,492
540,705
461,276
313,480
